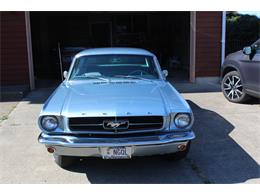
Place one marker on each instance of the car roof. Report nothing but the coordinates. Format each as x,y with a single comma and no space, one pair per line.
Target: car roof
114,50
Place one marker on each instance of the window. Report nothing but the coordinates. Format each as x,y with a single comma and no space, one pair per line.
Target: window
256,45
114,65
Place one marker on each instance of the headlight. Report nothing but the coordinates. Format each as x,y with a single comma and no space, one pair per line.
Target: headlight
182,120
49,123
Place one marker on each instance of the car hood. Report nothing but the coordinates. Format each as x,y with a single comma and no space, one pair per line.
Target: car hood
120,99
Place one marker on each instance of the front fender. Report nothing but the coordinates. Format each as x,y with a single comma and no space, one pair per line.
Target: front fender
231,64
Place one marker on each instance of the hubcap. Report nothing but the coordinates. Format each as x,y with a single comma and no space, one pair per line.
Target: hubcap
233,87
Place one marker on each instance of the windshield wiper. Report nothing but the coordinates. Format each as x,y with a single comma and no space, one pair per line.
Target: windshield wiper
98,77
131,77
93,77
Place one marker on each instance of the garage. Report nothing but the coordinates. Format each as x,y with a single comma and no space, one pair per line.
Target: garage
166,34
190,45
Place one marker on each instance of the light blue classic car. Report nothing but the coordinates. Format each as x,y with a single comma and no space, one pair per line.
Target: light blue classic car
115,103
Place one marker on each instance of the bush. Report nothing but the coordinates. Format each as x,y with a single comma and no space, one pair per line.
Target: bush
242,30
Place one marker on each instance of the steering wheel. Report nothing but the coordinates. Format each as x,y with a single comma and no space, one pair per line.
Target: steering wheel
135,72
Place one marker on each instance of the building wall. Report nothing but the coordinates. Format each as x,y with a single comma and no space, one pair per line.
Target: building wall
208,43
13,48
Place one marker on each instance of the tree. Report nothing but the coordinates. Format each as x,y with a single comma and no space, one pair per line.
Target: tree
242,27
242,30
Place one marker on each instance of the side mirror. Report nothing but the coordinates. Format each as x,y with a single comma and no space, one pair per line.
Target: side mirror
65,74
247,50
165,73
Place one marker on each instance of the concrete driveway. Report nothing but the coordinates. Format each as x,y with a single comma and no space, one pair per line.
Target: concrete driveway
226,150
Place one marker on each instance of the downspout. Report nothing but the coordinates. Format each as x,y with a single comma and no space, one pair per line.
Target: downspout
223,37
192,46
29,50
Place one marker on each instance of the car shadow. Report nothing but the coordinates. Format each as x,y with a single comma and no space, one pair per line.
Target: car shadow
220,158
253,101
214,158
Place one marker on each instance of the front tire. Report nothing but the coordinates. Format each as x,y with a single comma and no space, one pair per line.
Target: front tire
64,161
232,88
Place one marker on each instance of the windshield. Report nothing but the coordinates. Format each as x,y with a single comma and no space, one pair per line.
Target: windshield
120,66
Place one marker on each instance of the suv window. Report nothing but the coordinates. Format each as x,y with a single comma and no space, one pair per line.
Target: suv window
256,45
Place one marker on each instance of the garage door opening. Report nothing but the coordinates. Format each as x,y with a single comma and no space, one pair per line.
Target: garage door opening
166,34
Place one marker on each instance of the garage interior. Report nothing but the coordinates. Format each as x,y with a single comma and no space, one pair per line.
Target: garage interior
166,34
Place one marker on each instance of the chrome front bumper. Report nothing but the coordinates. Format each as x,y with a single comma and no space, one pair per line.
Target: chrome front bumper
69,145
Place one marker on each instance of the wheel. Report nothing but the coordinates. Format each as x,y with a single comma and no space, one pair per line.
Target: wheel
179,155
64,161
232,88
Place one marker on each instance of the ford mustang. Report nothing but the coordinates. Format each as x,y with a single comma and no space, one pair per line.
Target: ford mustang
115,103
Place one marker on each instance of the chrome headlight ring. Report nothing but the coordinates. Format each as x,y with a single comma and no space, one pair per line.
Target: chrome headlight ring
49,123
182,120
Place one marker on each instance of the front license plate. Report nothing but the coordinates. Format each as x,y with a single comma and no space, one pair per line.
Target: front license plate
116,152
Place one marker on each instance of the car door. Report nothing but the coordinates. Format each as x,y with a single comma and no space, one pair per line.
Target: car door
251,69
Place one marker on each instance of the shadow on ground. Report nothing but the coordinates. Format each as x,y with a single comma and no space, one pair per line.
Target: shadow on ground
214,158
39,96
188,87
216,154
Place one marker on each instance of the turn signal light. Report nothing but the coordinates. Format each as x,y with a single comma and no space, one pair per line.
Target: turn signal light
50,149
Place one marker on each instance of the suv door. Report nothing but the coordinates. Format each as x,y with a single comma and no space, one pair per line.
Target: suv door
251,68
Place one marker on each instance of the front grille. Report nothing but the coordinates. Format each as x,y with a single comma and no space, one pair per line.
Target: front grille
135,123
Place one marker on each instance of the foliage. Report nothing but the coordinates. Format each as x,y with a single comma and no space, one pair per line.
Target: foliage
242,30
242,27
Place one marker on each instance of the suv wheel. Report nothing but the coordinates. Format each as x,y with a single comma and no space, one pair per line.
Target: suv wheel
232,87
